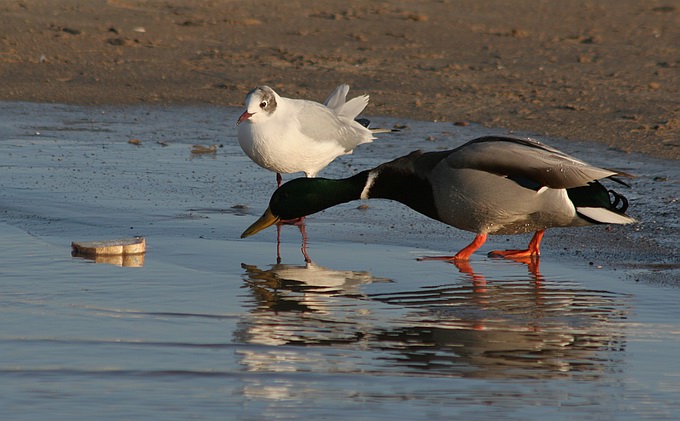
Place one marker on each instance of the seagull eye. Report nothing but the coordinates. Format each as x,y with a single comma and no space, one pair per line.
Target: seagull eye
263,104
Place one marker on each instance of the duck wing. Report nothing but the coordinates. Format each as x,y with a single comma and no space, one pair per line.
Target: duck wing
527,161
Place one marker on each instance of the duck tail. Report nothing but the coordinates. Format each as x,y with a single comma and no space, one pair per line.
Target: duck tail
598,205
619,202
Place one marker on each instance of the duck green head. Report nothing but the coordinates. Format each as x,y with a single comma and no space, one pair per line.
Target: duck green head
305,196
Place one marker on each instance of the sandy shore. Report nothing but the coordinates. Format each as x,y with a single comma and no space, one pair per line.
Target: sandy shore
606,71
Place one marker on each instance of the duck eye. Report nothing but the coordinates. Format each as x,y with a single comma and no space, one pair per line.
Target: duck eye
263,104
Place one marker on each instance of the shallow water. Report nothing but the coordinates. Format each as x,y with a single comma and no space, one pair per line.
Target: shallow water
210,326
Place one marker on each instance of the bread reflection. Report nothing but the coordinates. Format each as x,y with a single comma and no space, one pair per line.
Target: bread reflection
124,260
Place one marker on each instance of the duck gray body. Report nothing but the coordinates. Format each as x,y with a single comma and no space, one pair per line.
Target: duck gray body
496,185
497,205
490,185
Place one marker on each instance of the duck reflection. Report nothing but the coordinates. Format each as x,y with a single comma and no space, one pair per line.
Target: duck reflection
509,327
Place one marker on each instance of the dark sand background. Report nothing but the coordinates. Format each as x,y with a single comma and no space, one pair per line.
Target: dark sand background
607,71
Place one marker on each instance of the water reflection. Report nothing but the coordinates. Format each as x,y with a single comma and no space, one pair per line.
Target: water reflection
314,319
304,288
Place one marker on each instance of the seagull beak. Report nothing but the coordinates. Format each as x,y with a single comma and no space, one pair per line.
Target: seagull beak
266,220
245,116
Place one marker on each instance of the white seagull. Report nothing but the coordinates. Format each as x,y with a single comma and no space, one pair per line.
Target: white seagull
287,135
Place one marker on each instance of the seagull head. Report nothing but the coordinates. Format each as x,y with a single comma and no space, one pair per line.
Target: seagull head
260,103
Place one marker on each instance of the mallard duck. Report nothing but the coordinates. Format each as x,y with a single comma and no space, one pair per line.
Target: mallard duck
287,135
490,185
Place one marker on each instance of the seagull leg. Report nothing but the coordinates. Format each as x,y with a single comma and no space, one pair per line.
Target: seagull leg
297,221
303,231
300,223
533,250
278,244
465,253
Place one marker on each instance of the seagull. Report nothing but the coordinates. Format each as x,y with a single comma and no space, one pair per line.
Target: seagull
287,135
490,185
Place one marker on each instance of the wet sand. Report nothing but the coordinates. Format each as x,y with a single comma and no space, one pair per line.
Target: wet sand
602,71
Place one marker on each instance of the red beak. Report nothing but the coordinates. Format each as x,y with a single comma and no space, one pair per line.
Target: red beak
245,116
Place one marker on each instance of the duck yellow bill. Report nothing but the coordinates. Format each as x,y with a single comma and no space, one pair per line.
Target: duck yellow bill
266,220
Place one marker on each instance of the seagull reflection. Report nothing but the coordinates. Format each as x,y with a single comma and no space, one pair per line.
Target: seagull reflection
471,326
292,301
303,287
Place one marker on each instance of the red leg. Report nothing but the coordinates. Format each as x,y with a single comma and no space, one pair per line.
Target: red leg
465,253
477,280
297,221
303,231
533,250
278,244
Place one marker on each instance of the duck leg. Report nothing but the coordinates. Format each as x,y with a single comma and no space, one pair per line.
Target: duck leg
533,250
465,253
279,179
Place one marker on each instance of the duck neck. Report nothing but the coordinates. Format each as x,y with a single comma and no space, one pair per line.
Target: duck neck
306,196
401,185
343,190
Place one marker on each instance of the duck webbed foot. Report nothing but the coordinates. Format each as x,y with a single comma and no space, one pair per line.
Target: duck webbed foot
462,255
533,250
